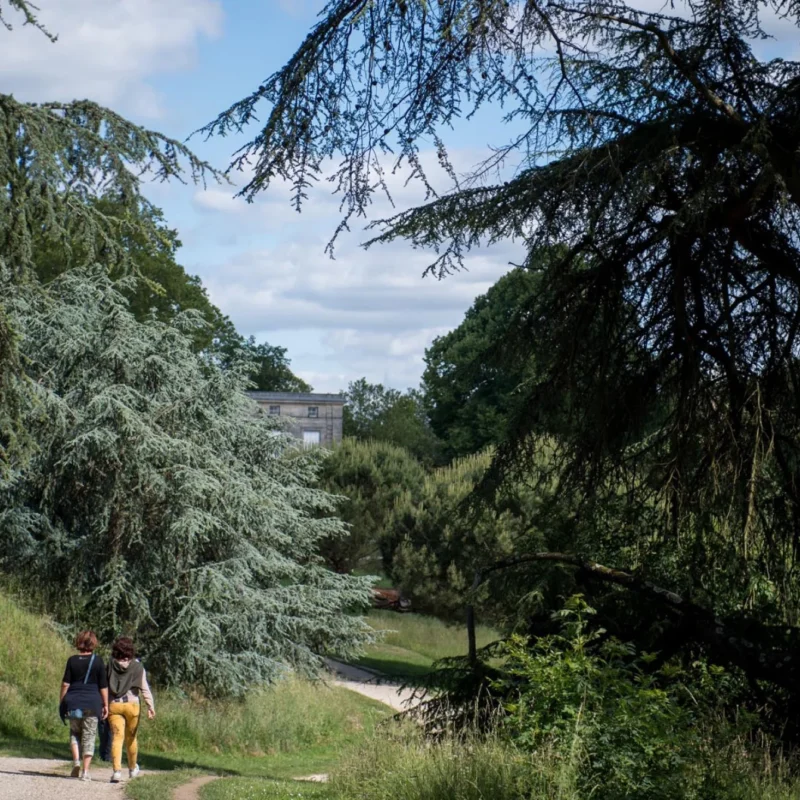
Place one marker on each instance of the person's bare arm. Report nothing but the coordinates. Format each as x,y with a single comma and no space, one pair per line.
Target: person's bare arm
104,695
64,688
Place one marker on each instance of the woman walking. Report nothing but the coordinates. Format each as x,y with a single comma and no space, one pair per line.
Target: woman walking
84,700
127,680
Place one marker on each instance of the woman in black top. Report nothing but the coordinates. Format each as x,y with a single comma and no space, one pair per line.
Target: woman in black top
84,700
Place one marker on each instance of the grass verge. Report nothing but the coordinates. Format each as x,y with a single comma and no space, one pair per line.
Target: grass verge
248,789
158,787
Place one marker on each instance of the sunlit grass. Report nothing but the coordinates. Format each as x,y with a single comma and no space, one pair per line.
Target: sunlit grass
412,642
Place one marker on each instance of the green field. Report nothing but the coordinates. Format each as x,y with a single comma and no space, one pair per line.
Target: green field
413,642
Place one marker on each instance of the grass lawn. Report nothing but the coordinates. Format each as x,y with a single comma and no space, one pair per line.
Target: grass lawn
413,642
246,789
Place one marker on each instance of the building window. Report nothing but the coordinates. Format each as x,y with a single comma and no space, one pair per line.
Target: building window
274,411
313,411
310,438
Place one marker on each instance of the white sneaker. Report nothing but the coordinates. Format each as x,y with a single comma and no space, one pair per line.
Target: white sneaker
116,777
85,776
76,771
133,773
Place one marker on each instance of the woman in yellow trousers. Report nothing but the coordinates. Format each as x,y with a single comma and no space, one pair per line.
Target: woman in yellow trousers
127,686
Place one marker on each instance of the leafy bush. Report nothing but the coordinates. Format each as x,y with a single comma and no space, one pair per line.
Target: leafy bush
634,728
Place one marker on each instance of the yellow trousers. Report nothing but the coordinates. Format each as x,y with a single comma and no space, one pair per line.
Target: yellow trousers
123,718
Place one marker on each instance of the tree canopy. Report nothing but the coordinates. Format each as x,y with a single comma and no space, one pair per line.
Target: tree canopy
470,385
661,149
373,411
139,488
159,502
54,160
369,477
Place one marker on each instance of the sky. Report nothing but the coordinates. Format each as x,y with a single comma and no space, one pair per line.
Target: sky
173,65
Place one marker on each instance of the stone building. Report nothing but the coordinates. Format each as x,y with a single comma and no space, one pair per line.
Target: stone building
315,419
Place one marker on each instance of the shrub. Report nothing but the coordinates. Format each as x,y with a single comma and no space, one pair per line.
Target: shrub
596,698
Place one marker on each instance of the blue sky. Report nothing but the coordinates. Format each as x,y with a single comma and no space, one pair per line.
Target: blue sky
173,65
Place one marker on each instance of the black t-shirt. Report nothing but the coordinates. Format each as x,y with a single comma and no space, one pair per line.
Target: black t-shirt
75,671
80,695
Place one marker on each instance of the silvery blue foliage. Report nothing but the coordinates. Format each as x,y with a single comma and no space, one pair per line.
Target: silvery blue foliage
160,503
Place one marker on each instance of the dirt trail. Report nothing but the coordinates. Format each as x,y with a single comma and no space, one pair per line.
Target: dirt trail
371,684
191,790
38,778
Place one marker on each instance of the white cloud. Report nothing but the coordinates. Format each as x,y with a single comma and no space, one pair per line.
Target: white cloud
107,50
372,312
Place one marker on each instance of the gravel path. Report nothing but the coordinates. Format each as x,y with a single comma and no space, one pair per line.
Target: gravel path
370,684
43,778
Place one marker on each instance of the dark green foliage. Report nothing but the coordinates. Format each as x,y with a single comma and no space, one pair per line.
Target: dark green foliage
633,731
54,159
151,246
387,415
370,477
437,542
159,503
270,367
166,290
471,383
663,154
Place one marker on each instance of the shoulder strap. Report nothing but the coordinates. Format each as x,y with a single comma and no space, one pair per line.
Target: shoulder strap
88,671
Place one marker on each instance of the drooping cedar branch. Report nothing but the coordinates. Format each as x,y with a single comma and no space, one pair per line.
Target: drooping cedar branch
661,153
761,651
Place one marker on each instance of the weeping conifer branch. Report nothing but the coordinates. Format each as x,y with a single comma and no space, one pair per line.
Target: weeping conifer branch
27,11
660,158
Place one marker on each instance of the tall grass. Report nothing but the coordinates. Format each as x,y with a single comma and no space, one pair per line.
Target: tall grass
409,768
32,658
477,769
290,716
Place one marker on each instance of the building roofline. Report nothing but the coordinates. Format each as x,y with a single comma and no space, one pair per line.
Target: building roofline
295,397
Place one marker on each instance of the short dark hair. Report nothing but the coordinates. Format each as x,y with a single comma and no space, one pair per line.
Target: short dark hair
86,641
123,648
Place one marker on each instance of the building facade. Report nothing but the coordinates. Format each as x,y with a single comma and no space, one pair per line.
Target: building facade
314,419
